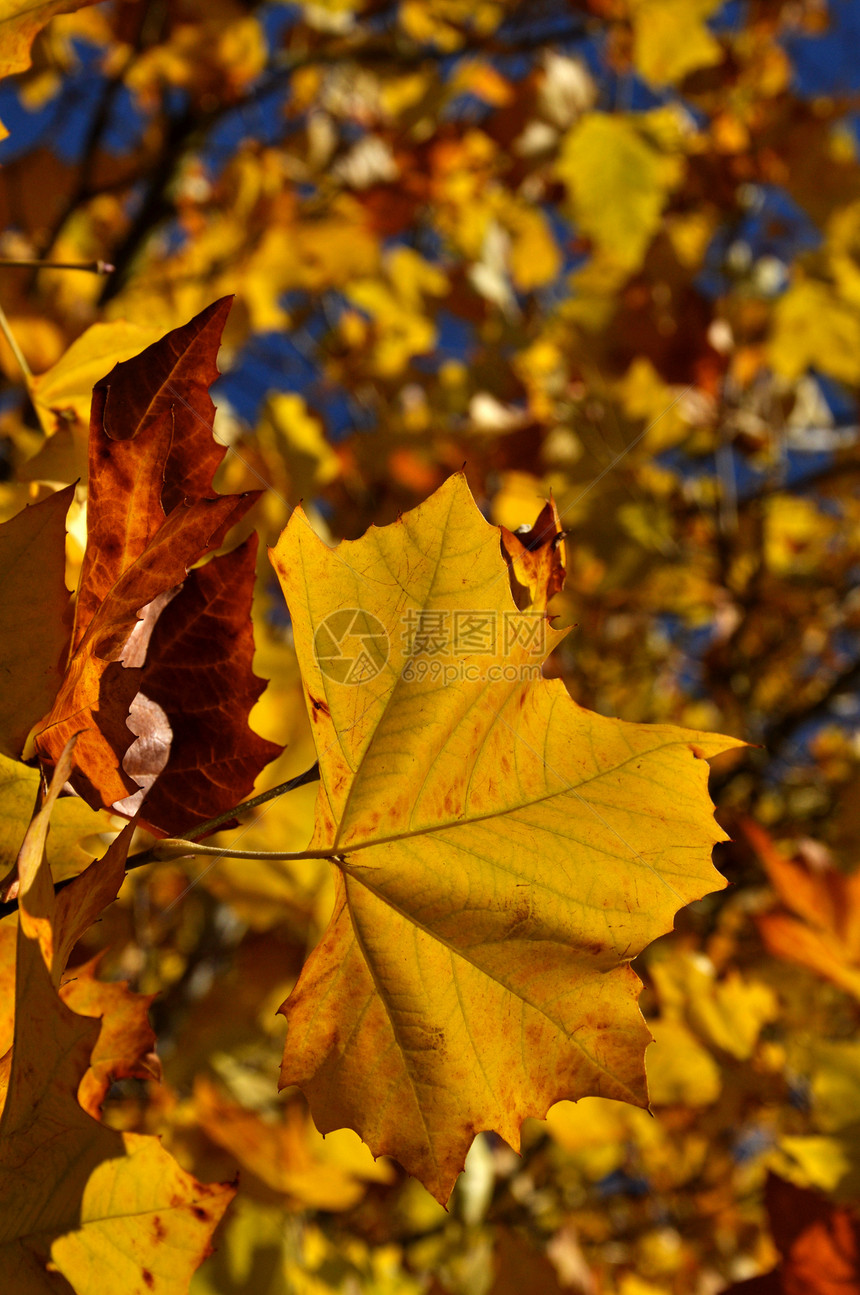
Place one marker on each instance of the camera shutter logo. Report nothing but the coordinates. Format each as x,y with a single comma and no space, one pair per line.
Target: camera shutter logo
351,646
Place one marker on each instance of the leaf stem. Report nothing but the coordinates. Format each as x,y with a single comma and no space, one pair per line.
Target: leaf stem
14,347
176,848
182,847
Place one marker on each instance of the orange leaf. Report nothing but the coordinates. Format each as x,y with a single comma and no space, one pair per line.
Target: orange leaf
281,1153
537,559
819,1245
20,23
808,895
787,937
125,1047
825,933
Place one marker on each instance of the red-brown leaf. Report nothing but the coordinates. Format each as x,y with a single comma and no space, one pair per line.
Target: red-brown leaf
151,446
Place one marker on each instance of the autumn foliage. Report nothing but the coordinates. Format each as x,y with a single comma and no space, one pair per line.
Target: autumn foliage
367,925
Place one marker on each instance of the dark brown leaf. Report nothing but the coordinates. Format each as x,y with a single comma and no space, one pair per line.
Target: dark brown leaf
34,631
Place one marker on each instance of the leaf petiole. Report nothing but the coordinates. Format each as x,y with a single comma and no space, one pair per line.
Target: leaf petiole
182,847
175,848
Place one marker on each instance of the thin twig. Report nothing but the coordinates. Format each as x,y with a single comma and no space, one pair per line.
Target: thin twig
32,263
300,780
14,347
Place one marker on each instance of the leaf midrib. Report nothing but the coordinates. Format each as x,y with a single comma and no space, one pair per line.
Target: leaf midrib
336,849
443,529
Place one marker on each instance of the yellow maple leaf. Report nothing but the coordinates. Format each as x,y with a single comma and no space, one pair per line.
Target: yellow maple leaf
535,257
644,395
298,458
444,23
671,38
681,1072
797,534
727,1013
618,183
501,854
403,329
813,326
20,23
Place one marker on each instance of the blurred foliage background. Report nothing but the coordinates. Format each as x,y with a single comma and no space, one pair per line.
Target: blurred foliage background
607,249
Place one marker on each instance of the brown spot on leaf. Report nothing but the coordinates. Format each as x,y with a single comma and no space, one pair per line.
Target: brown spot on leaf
148,1279
521,913
199,1213
594,947
318,706
533,1036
